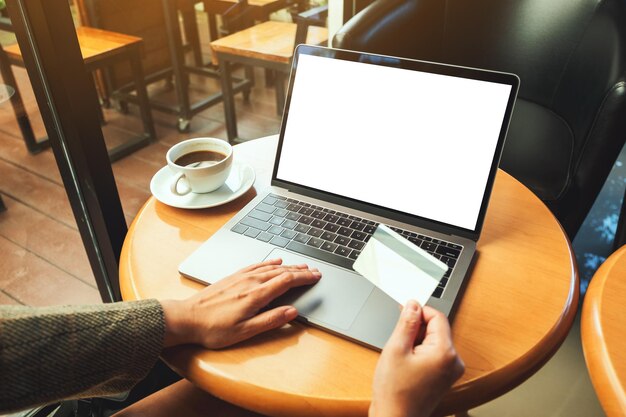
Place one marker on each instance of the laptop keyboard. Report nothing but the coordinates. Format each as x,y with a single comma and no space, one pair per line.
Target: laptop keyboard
329,235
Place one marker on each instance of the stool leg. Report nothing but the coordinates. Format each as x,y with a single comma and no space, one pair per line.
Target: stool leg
192,36
228,99
269,78
101,103
249,71
176,50
18,108
212,21
142,94
25,127
279,84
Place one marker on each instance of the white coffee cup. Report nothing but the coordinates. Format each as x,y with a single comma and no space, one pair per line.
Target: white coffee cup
202,163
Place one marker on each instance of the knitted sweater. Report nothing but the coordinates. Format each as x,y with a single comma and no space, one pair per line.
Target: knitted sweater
53,353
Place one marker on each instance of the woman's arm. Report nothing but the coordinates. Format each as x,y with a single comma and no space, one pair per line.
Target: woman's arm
53,353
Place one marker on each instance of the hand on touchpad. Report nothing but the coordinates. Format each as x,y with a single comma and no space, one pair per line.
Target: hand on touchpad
334,301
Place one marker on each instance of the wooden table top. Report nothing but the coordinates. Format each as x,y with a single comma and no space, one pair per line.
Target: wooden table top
603,331
94,44
269,41
519,305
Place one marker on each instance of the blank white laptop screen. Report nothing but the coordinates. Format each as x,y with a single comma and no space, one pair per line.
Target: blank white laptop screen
412,141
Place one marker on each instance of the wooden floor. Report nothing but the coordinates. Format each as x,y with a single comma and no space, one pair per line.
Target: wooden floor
42,259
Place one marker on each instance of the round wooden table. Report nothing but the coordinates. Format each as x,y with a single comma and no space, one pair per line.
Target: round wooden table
603,331
518,308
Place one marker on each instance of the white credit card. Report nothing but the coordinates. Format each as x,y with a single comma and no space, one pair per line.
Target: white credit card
398,267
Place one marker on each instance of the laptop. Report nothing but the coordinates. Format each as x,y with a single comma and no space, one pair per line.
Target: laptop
366,140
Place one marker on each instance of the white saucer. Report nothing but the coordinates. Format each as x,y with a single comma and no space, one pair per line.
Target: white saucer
238,182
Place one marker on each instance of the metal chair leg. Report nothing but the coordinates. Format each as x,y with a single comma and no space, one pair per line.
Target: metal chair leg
23,122
279,86
142,94
228,100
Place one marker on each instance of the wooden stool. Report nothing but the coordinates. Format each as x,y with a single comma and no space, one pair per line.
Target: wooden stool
268,45
100,49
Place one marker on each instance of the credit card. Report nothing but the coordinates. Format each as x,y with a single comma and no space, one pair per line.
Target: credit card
398,267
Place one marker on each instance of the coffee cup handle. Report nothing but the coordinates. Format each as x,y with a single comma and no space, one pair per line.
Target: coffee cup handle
174,185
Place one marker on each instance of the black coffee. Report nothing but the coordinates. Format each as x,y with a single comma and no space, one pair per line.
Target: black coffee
198,157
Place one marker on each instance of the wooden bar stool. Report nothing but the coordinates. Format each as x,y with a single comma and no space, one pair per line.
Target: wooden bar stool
101,49
268,45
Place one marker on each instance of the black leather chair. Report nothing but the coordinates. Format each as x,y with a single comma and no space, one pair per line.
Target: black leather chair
569,123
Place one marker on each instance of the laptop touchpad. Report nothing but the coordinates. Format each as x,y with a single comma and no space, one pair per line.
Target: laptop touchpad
335,301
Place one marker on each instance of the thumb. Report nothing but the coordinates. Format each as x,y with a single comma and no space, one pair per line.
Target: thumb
407,328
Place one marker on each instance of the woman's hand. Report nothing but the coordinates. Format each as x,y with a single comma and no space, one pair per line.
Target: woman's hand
417,366
232,309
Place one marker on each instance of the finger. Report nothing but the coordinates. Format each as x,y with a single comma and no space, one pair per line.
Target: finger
278,270
268,320
263,269
437,327
282,283
268,265
252,267
407,328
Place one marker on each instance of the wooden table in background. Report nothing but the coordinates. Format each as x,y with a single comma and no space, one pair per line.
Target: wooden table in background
102,49
261,10
603,328
519,305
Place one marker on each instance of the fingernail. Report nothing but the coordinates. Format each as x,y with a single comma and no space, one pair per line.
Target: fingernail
411,306
291,313
317,274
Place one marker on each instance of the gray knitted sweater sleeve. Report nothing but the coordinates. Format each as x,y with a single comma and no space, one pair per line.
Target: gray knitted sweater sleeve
52,353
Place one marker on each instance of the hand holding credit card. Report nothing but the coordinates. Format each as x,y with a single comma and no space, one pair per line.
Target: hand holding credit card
399,268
